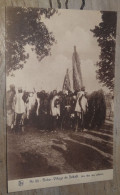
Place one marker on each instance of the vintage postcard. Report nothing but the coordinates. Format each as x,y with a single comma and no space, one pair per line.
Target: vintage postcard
60,72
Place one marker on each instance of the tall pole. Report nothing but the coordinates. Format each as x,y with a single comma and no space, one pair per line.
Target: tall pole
77,74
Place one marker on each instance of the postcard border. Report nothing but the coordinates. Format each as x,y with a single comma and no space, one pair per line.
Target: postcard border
59,180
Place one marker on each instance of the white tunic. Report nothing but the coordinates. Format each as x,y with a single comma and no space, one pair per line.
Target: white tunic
31,101
84,103
78,107
19,103
55,110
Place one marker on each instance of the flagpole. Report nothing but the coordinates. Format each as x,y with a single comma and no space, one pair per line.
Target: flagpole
77,74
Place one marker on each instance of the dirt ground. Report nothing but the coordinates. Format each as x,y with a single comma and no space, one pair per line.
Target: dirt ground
35,153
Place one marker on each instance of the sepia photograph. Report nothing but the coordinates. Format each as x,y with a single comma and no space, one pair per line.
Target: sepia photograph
60,73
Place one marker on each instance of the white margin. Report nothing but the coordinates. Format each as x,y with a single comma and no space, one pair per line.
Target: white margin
59,180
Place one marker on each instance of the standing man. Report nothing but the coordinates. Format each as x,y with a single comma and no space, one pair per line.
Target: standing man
10,106
81,108
55,109
19,110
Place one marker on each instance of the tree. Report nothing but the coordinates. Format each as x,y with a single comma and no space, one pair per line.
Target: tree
105,33
24,27
96,110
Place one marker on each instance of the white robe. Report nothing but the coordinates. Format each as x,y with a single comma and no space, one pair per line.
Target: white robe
30,104
78,107
19,104
55,111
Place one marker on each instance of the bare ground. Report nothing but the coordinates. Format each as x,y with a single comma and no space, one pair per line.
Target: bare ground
35,153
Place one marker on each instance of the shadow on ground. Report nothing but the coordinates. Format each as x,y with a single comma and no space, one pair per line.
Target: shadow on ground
30,165
103,146
83,158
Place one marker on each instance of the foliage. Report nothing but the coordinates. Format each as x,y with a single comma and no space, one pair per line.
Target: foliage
106,34
24,27
96,110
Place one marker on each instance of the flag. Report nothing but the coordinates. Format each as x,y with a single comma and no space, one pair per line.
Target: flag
77,75
66,83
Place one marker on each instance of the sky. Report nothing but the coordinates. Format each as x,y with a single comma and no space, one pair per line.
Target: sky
70,27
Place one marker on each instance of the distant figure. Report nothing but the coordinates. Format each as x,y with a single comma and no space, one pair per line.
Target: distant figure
81,108
38,104
10,106
19,110
73,113
55,109
111,112
31,101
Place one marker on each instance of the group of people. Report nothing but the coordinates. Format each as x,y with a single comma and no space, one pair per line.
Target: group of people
46,111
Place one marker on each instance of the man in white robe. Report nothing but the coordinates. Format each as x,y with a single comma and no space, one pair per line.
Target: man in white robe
55,109
19,109
81,108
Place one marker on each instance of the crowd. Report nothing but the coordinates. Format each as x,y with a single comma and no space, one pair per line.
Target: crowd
46,111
